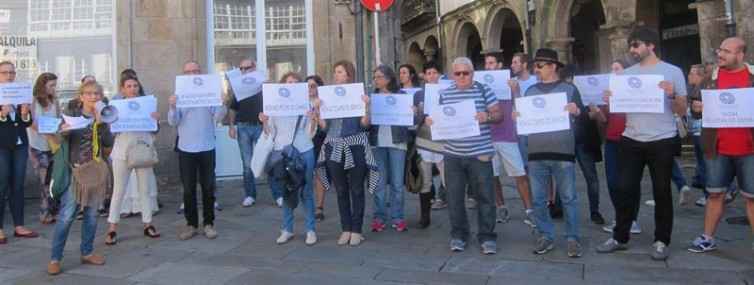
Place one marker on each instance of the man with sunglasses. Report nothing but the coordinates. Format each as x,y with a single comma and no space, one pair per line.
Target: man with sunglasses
650,139
552,154
245,127
469,160
728,152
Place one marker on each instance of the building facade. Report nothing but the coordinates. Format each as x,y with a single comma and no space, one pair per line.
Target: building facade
588,33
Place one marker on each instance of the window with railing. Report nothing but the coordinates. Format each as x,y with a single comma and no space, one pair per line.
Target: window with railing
62,18
286,24
233,21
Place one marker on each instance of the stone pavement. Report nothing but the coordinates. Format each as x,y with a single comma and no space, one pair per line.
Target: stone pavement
245,251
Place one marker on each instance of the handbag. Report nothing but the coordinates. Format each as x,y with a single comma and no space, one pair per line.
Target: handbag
262,151
680,122
412,176
292,167
141,154
59,173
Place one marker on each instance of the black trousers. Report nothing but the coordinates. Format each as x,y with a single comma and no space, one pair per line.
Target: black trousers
349,185
633,156
203,163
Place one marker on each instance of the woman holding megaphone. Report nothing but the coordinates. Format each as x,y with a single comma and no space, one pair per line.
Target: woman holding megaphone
124,143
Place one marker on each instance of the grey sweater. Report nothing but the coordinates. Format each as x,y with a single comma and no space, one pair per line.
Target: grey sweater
557,145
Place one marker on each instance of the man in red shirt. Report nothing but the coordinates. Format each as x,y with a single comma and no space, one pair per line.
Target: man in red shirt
729,152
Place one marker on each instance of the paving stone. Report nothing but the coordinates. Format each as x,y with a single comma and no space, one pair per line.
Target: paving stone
186,273
250,262
426,277
268,277
609,272
9,274
341,270
269,249
407,261
41,277
345,254
130,263
225,241
514,268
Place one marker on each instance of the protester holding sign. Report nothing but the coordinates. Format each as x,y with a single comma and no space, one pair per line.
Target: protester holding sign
409,80
347,156
728,151
389,146
196,154
553,154
90,178
315,81
14,143
42,145
296,131
124,142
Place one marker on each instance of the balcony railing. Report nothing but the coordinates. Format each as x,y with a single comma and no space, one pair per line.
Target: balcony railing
416,9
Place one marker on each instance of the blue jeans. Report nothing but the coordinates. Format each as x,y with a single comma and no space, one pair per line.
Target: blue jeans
247,139
68,209
479,175
612,172
677,177
305,194
391,162
563,172
722,170
12,175
586,161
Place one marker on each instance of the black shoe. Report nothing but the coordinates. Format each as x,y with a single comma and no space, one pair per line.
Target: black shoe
555,211
597,218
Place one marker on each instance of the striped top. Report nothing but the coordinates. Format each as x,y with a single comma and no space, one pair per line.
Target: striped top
483,99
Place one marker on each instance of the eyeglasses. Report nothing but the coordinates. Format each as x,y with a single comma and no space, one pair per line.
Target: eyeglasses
724,52
8,72
91,93
541,65
245,68
636,44
461,73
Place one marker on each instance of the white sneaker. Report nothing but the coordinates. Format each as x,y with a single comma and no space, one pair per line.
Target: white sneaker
650,203
684,198
311,238
248,202
635,229
609,228
285,236
279,202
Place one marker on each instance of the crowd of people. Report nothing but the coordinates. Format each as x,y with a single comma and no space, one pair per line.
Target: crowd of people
352,155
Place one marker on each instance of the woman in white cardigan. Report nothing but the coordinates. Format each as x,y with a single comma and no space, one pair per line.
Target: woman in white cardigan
130,88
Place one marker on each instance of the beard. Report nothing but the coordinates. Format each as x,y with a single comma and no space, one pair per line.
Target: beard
639,57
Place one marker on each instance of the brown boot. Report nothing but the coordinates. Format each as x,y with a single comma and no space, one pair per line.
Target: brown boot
425,204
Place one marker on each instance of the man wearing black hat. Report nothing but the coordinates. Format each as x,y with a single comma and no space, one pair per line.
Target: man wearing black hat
649,139
553,154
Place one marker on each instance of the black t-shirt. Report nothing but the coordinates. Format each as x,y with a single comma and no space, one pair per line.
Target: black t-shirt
247,109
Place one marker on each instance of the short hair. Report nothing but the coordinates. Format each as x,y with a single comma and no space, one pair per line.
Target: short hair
701,70
316,79
497,55
412,73
6,62
94,84
567,71
40,92
623,63
128,71
389,74
194,62
644,34
87,76
710,57
350,69
463,60
432,64
523,57
290,74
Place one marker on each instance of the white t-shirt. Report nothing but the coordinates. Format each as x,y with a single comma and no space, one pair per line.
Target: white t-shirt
36,140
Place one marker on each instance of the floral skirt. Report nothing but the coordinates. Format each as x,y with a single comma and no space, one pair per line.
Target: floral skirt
40,162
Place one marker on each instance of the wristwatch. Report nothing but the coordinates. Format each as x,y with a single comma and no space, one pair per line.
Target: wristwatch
674,95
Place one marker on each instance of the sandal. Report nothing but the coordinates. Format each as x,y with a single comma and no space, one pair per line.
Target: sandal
319,216
112,235
151,232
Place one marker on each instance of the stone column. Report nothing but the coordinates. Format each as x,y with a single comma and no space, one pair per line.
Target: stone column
429,54
563,47
618,36
712,31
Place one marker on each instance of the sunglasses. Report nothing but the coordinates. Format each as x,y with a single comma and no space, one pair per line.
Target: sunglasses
541,65
461,73
636,44
245,68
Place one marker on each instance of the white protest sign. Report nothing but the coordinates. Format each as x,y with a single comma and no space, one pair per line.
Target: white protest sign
497,80
15,93
48,125
75,123
432,95
591,87
454,121
246,85
636,94
411,90
285,99
341,101
542,113
445,81
198,91
392,109
135,114
729,108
